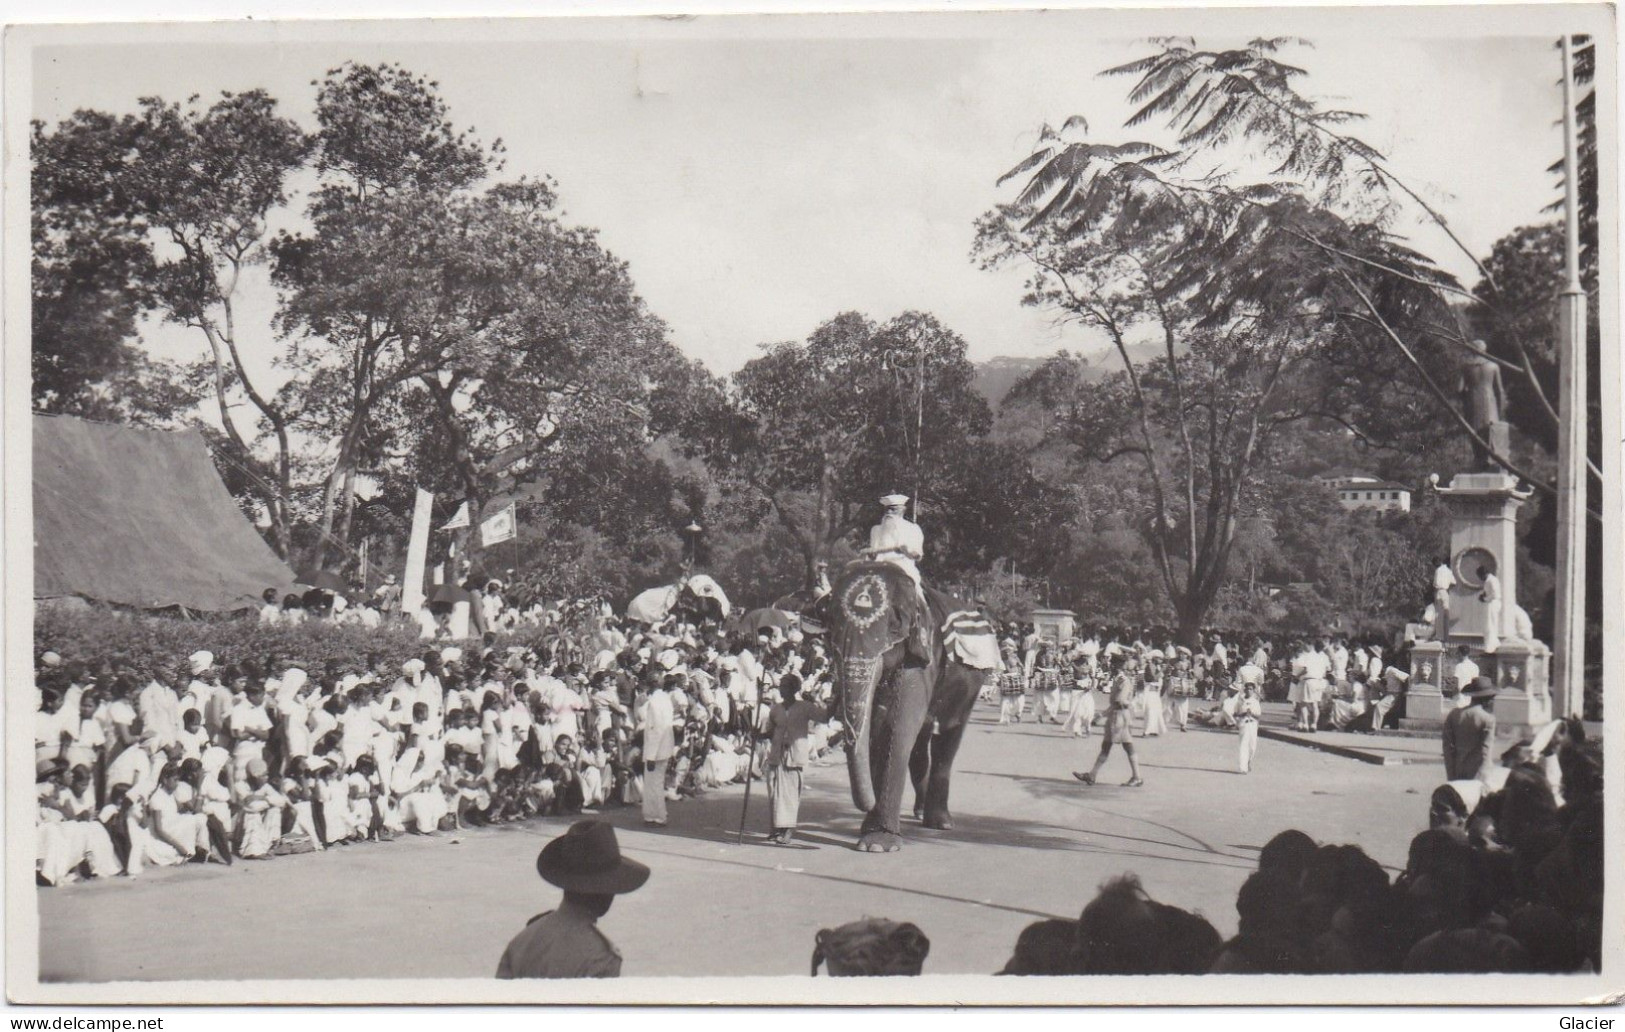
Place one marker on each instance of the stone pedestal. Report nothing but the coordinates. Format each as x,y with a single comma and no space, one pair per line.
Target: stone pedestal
1522,672
1432,692
1483,533
1055,624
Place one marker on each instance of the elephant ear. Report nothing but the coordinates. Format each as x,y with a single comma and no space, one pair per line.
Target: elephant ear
869,603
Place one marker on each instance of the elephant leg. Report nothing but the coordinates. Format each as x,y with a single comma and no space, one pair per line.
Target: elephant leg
956,697
919,767
944,746
893,732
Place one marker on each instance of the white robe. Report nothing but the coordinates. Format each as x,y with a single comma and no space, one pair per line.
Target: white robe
422,803
898,541
63,845
190,829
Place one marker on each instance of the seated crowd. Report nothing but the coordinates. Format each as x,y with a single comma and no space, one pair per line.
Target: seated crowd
207,758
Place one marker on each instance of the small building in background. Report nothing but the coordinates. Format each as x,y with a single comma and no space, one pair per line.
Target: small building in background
1357,490
1057,625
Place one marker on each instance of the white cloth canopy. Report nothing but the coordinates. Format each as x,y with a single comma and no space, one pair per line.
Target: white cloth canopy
651,606
654,605
705,587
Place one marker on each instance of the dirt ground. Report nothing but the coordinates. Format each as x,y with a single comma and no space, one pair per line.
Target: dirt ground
1031,843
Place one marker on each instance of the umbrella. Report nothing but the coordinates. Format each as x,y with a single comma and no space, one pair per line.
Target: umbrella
797,601
325,580
809,606
757,619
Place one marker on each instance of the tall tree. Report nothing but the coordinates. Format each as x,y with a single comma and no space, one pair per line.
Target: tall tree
555,386
189,191
1295,271
822,427
392,274
91,282
1251,97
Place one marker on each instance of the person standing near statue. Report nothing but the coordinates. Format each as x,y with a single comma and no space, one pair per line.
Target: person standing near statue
1469,733
1443,580
1483,402
1490,595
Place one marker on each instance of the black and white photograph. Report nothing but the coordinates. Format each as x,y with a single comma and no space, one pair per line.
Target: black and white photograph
607,509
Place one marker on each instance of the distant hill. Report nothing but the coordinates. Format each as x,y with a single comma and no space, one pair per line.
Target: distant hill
996,376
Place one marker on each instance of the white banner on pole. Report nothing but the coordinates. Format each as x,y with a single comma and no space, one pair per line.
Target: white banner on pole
503,525
459,520
417,553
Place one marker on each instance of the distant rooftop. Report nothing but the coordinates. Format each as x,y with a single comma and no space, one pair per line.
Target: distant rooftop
1375,485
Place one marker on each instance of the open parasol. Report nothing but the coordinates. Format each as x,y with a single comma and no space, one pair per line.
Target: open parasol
324,580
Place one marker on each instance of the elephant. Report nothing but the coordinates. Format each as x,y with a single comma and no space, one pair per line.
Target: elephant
903,699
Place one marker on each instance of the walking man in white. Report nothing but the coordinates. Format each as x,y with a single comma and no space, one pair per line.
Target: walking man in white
1310,667
659,745
1247,713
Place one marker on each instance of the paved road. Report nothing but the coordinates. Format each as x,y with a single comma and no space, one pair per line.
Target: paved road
1031,843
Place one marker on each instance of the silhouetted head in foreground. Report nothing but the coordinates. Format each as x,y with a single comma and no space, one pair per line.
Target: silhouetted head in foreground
872,946
1046,948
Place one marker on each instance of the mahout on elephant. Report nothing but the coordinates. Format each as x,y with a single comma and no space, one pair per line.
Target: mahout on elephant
902,694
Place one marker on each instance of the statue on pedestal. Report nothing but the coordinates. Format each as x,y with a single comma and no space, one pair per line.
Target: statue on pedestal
1483,402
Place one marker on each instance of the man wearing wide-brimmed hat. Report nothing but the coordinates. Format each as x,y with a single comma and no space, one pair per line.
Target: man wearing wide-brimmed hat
585,862
1469,733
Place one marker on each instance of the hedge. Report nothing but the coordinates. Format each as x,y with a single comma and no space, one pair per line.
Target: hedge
151,645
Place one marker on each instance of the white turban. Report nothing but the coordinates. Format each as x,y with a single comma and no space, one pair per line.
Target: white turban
212,759
200,661
412,667
451,654
51,659
293,680
668,659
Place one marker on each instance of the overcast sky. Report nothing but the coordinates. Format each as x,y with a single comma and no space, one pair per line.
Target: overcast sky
762,175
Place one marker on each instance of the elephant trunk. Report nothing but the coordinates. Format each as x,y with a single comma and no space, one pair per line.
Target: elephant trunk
859,678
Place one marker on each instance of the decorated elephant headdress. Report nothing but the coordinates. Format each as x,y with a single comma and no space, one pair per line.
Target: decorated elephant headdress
877,607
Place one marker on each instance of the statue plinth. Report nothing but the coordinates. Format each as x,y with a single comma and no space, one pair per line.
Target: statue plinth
1483,533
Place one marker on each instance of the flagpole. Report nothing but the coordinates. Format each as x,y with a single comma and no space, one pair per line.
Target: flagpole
1568,663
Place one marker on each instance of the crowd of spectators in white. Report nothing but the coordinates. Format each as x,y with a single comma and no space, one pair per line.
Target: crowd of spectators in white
206,758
